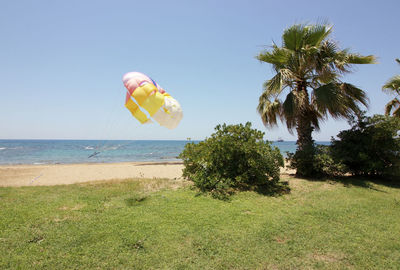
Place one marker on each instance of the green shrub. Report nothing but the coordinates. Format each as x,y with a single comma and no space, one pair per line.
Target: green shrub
301,161
322,164
370,147
325,165
235,157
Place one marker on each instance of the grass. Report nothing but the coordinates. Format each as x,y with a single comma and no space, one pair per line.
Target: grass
152,224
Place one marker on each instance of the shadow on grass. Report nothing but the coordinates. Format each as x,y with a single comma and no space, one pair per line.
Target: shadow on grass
134,244
278,189
273,190
135,200
358,181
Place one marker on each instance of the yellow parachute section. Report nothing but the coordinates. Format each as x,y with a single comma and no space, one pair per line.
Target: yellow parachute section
153,99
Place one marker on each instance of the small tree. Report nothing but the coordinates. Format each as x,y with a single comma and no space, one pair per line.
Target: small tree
235,157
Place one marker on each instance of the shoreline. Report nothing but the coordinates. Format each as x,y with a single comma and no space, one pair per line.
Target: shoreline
92,163
73,173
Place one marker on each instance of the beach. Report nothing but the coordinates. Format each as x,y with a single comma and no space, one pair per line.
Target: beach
64,174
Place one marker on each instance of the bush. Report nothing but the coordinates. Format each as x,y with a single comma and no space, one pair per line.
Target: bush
325,165
301,161
235,157
322,164
370,147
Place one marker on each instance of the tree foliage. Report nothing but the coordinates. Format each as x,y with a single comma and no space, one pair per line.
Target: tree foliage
323,164
235,157
370,147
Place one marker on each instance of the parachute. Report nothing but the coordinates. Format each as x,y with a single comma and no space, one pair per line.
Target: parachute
151,97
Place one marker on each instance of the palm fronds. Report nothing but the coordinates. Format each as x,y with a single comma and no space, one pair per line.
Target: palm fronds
308,59
392,86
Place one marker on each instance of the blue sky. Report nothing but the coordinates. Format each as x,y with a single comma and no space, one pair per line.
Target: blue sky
62,62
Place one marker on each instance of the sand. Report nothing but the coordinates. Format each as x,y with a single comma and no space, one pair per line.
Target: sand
63,174
60,174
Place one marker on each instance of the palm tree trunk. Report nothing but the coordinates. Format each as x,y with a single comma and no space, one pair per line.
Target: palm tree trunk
305,144
304,133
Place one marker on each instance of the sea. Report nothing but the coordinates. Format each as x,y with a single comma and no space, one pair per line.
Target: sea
14,152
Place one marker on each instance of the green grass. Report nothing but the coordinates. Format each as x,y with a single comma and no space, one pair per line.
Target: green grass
149,224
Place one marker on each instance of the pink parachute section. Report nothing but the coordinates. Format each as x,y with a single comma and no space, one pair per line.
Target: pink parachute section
162,107
132,80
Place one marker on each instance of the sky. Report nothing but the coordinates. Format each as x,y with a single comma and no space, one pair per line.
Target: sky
62,62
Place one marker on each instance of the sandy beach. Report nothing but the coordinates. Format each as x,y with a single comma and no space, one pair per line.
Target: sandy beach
63,174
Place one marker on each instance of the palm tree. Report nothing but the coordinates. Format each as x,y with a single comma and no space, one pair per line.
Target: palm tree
393,87
308,69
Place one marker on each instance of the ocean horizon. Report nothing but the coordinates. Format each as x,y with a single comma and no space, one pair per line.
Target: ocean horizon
58,151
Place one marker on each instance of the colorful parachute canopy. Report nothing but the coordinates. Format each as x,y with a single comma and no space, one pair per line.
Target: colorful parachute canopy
164,109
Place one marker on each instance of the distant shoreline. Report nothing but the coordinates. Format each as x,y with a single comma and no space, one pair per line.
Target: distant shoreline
137,163
166,161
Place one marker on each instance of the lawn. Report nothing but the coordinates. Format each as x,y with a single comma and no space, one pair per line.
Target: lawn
165,224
